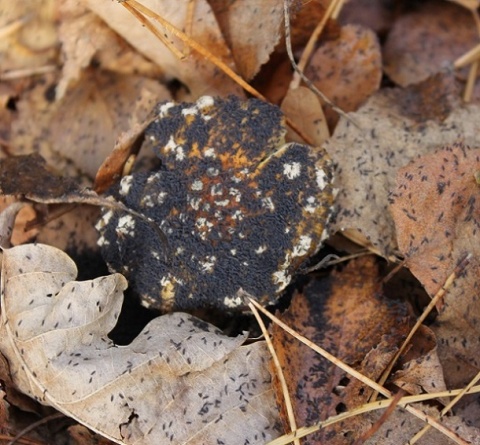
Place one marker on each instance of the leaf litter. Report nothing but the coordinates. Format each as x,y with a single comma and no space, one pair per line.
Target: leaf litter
396,125
59,353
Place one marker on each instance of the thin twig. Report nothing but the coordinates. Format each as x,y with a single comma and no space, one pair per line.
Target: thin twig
364,379
435,300
369,407
446,409
279,371
310,46
308,82
134,4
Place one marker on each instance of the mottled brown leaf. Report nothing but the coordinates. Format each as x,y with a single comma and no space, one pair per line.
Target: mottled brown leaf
348,315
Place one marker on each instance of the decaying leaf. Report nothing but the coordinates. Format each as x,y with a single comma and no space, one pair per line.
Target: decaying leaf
180,381
436,209
348,316
393,127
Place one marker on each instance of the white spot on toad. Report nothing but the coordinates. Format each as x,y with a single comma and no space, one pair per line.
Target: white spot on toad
125,185
197,185
126,225
232,302
281,278
302,247
162,112
208,264
210,153
268,203
321,178
261,249
292,170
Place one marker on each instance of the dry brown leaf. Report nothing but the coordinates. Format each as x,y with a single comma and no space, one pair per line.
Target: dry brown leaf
251,30
303,108
435,207
427,41
82,128
377,15
348,69
198,74
394,126
348,316
422,371
180,380
85,37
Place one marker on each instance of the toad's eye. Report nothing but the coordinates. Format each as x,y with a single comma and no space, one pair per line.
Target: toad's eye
238,206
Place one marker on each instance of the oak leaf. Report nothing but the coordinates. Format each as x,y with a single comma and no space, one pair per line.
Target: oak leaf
180,380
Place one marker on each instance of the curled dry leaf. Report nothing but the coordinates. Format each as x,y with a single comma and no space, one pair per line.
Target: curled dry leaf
393,127
422,370
180,380
435,206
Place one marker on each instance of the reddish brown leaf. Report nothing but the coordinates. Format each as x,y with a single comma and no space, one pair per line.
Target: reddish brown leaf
428,40
348,315
348,69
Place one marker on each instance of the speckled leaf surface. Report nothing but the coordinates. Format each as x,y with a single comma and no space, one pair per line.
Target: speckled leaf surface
179,382
435,205
392,128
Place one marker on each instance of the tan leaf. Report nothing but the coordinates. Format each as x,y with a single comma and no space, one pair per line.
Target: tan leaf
303,108
393,127
179,381
81,129
251,29
198,74
435,206
85,37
